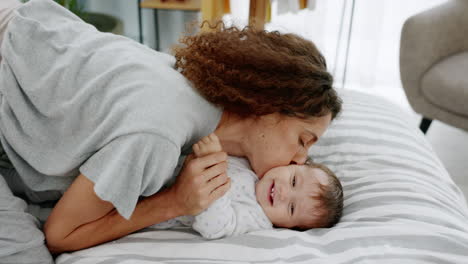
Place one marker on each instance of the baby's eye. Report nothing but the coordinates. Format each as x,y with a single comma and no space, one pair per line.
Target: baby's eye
292,209
293,181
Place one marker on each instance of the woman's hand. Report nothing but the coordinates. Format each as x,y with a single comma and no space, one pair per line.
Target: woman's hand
201,181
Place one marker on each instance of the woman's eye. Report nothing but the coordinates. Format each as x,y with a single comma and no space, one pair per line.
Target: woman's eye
293,181
292,209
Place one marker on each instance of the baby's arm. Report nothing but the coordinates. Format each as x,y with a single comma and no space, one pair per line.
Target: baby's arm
207,145
219,219
226,217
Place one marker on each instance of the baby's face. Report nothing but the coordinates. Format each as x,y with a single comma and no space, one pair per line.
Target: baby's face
284,193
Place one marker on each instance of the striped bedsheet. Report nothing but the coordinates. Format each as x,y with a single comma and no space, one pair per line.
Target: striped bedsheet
400,206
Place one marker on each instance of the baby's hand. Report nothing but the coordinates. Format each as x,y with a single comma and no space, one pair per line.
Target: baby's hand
207,145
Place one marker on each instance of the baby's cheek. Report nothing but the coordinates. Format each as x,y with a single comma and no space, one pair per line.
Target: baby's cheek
257,196
273,216
277,223
257,189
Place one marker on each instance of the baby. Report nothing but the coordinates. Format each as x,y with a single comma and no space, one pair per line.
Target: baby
295,196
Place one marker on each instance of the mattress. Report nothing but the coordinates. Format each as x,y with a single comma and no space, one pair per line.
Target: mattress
400,206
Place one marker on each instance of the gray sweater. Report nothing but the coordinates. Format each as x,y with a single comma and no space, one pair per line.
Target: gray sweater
74,100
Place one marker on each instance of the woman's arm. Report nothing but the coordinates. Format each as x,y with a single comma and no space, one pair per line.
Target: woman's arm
81,219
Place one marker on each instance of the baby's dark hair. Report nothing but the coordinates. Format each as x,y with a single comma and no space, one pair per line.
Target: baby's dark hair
330,207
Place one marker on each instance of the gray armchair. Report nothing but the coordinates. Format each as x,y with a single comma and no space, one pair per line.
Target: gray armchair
434,63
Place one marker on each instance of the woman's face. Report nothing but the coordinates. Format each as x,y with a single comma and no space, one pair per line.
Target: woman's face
278,140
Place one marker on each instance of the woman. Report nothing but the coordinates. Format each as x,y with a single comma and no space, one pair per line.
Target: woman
103,120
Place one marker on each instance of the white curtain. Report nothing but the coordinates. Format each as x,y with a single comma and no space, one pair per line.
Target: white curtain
363,55
373,61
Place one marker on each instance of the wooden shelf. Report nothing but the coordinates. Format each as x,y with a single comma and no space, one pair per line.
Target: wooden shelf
212,10
187,5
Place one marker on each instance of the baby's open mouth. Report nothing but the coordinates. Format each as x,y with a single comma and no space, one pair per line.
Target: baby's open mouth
271,195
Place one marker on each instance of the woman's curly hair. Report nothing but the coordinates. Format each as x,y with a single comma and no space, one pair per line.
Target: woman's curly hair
253,72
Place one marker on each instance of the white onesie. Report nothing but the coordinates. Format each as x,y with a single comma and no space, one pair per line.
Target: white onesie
237,212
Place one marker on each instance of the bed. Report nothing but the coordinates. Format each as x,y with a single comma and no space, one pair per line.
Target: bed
400,206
